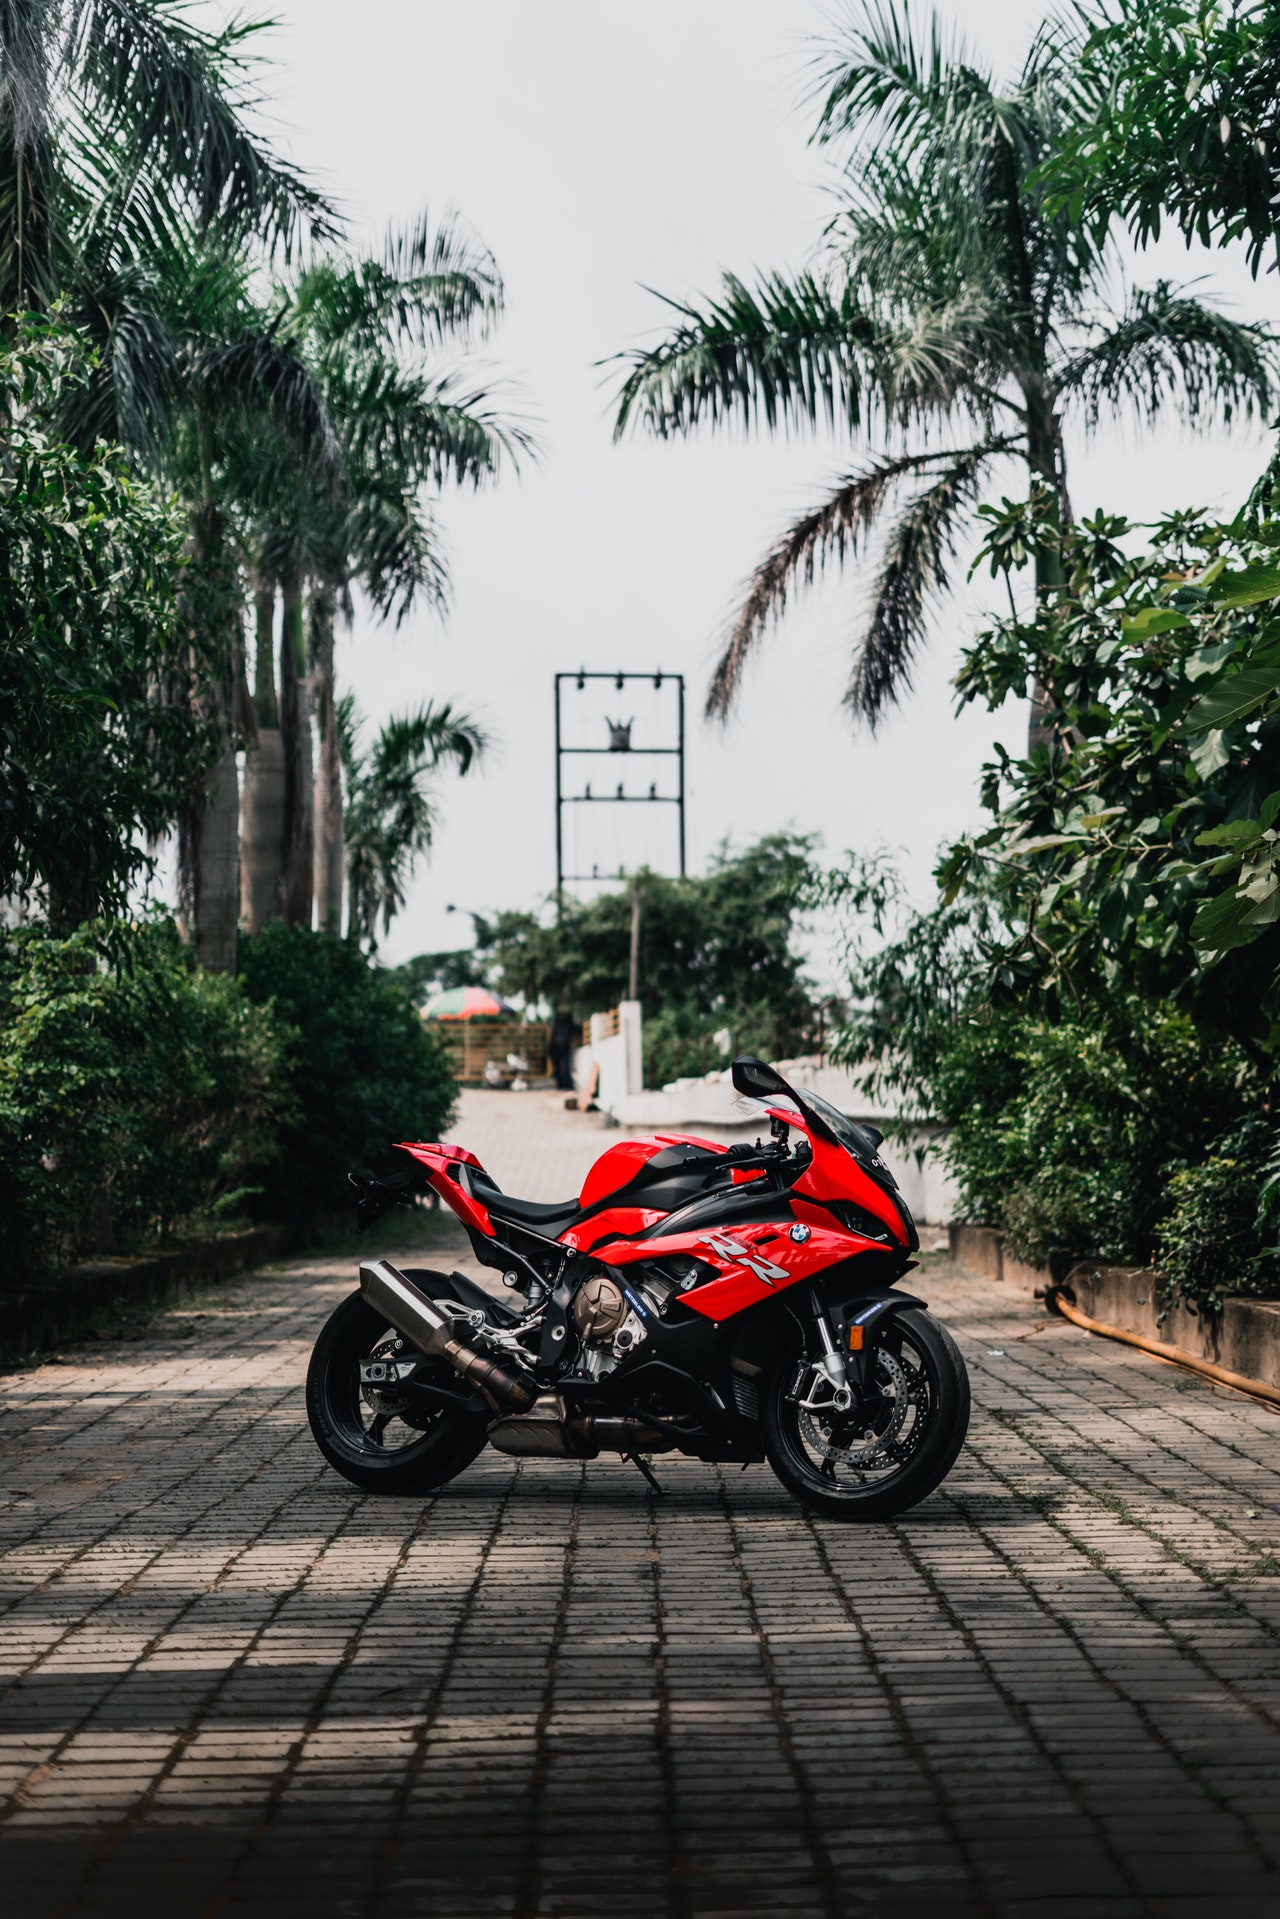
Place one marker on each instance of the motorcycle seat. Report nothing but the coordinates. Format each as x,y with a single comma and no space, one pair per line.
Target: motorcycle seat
547,1217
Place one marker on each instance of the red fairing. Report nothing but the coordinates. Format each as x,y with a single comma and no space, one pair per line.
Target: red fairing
831,1174
619,1166
442,1164
755,1262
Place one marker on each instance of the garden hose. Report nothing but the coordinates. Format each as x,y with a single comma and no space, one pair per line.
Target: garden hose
1060,1300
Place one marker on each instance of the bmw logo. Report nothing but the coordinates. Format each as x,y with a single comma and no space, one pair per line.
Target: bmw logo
799,1234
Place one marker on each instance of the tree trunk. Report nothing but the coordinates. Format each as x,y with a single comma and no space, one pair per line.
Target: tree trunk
210,862
262,807
262,831
208,832
298,877
328,807
264,676
1044,457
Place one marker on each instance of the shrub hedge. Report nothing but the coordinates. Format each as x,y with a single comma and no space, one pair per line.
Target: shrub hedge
141,1098
1067,1134
363,1070
137,1095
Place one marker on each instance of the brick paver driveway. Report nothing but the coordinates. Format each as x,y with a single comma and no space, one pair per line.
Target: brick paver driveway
234,1685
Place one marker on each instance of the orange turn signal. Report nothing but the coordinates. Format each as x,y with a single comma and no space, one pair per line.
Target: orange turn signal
855,1339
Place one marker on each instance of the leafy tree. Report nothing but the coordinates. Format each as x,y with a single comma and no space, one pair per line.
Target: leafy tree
427,974
1174,107
1065,1117
956,313
1061,1130
391,809
1095,853
102,719
716,951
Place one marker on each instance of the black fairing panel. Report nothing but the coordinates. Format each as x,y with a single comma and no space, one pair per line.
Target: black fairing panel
674,1361
756,1201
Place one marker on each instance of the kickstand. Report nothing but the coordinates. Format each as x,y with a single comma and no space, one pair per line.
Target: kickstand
645,1469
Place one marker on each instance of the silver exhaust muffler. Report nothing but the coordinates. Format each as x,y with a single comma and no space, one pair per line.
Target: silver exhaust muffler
419,1320
550,1431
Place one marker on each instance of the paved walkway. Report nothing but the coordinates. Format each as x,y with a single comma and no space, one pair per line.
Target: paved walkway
232,1685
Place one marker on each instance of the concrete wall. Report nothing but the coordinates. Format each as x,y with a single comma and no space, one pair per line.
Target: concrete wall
1246,1339
620,1057
710,1104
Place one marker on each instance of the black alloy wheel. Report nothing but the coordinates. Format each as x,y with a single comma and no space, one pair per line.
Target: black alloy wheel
384,1437
891,1452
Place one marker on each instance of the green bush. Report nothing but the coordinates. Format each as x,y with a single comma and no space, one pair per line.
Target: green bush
363,1070
1212,1240
138,1095
1061,1133
679,1041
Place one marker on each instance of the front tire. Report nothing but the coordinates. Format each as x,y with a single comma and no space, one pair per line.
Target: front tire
361,1434
896,1449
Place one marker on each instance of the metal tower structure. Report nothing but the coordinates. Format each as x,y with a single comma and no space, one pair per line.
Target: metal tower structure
619,742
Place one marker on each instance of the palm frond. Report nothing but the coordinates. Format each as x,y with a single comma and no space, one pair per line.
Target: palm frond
129,391
389,538
437,282
183,95
29,32
29,173
787,353
877,78
1167,346
433,284
430,426
391,812
913,573
415,744
833,530
258,372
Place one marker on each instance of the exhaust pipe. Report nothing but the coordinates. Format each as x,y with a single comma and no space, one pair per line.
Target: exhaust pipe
550,1432
419,1320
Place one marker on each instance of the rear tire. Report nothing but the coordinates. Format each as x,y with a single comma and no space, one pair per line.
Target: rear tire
352,1434
898,1450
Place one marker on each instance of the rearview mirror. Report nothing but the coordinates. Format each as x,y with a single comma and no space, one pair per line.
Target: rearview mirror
756,1080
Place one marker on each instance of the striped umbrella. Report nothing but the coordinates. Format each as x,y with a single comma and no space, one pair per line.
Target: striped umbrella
466,1002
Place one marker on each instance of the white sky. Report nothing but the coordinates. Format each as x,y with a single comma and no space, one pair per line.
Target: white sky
599,150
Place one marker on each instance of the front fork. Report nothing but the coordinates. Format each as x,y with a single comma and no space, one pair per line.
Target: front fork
832,1362
848,1367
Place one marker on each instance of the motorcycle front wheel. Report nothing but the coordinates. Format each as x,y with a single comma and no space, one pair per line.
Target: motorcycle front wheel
384,1439
891,1451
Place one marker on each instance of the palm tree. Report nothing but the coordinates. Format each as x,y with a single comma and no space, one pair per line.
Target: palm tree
115,115
131,185
233,379
391,810
951,321
368,328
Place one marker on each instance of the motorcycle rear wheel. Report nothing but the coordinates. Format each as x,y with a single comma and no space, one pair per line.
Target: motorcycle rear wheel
897,1450
375,1449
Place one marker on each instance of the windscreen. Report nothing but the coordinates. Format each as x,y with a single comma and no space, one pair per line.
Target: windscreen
855,1139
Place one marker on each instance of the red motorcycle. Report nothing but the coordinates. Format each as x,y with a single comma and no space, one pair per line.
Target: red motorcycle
730,1303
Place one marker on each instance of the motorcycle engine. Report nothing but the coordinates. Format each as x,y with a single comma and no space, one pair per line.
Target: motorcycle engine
606,1323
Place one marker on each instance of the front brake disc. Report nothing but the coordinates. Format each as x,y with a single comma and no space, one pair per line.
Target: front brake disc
872,1451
